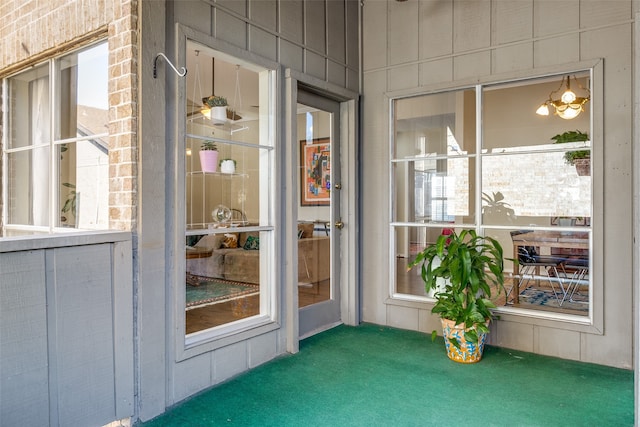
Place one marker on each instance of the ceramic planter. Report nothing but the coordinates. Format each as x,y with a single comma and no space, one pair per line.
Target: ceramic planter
583,166
219,114
227,166
468,352
209,160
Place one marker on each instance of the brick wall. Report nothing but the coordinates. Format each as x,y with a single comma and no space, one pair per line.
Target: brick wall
33,31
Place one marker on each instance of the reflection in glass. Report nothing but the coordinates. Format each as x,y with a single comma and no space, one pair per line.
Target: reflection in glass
84,99
438,124
29,108
314,211
83,193
434,190
222,277
228,225
536,187
29,187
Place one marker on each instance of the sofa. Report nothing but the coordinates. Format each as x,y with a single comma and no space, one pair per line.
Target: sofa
236,256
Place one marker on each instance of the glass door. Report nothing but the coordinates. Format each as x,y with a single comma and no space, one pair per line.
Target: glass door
319,221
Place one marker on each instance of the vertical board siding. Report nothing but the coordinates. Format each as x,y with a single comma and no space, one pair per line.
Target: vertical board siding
83,331
336,31
291,20
57,341
23,340
514,21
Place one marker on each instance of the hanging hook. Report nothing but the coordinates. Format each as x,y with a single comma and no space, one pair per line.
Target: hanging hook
155,65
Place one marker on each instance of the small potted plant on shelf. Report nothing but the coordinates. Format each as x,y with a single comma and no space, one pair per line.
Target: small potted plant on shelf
581,159
463,270
227,166
209,156
218,107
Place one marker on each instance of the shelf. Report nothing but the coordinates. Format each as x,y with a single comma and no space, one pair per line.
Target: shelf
242,175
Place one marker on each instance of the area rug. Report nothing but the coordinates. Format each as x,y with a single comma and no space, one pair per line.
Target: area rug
214,291
546,297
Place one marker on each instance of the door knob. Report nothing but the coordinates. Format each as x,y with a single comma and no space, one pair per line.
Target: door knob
339,224
338,186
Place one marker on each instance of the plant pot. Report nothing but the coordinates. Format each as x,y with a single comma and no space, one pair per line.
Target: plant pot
209,160
468,352
583,166
227,166
219,115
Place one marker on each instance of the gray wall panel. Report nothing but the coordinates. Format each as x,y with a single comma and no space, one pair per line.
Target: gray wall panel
291,55
83,332
197,13
352,34
336,73
230,29
239,7
336,31
23,340
264,13
315,65
57,341
291,20
263,43
315,25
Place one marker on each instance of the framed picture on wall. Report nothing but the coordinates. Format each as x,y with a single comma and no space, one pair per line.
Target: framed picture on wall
315,175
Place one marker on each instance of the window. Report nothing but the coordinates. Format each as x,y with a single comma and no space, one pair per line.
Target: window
481,158
55,145
229,198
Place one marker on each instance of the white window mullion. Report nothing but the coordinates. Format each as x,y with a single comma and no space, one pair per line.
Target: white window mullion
53,165
478,186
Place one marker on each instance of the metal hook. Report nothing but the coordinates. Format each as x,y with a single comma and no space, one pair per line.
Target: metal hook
155,65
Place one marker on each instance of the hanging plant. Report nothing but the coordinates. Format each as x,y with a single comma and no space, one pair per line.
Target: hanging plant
216,101
570,157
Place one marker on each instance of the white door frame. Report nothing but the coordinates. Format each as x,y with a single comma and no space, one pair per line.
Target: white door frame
349,135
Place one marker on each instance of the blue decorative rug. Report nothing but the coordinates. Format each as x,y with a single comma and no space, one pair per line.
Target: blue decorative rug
203,291
546,297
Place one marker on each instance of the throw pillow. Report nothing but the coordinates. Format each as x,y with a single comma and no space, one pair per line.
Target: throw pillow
230,241
252,243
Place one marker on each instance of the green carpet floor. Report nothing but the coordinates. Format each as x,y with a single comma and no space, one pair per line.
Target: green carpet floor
378,376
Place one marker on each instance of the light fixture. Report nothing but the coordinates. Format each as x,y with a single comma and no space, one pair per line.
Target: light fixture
568,106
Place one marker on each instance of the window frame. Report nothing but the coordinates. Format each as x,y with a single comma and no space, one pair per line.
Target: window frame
214,338
593,323
53,70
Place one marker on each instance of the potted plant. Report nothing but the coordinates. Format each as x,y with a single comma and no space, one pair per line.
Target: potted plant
218,107
581,159
209,156
472,268
227,166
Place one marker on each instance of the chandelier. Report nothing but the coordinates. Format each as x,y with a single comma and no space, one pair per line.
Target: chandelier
569,105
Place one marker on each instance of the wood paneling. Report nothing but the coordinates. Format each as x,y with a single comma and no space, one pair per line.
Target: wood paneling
58,346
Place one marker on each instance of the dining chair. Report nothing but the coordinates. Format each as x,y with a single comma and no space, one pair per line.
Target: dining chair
532,264
577,274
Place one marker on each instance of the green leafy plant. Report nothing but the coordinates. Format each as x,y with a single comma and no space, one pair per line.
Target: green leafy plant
572,136
70,203
471,266
209,146
216,101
